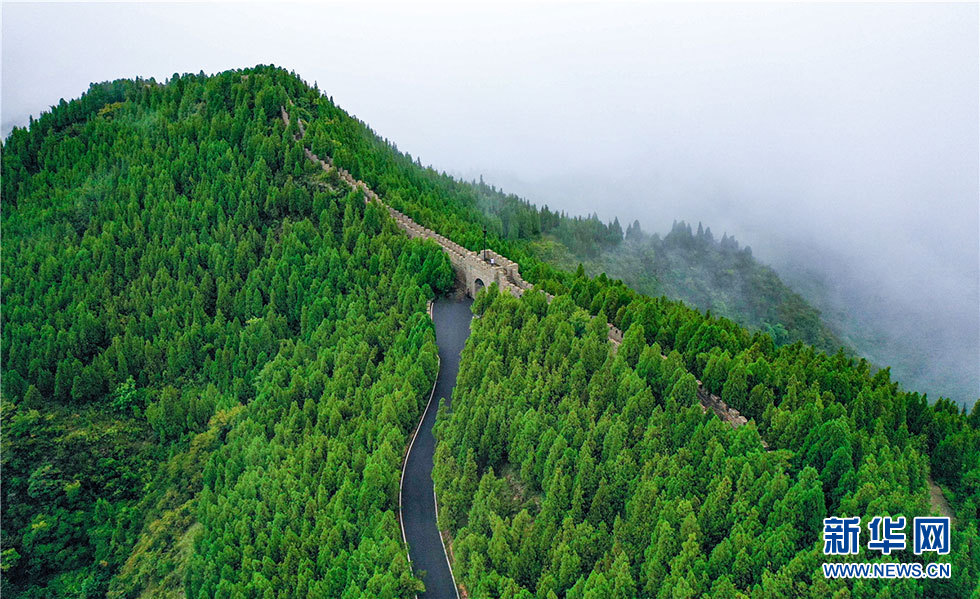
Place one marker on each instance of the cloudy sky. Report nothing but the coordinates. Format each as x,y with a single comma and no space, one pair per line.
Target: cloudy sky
842,138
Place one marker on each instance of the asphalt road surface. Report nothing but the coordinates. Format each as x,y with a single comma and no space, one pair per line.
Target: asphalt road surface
452,320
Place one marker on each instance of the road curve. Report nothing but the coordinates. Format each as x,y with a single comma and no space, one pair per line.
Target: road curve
425,546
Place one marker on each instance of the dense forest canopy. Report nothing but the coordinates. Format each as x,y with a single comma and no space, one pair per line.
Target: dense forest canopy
213,353
569,469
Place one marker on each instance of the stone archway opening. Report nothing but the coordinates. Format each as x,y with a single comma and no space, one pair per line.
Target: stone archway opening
478,284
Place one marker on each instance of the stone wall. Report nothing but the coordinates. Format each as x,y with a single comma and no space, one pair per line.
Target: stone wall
471,268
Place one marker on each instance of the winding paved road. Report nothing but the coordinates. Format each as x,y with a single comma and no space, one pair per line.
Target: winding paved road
425,548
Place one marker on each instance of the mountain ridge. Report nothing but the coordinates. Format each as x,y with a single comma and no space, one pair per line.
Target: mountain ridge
176,265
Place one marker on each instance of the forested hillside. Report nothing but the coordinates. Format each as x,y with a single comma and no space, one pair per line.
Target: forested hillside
213,353
708,273
568,469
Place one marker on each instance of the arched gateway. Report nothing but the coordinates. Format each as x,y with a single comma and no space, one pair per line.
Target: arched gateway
474,270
